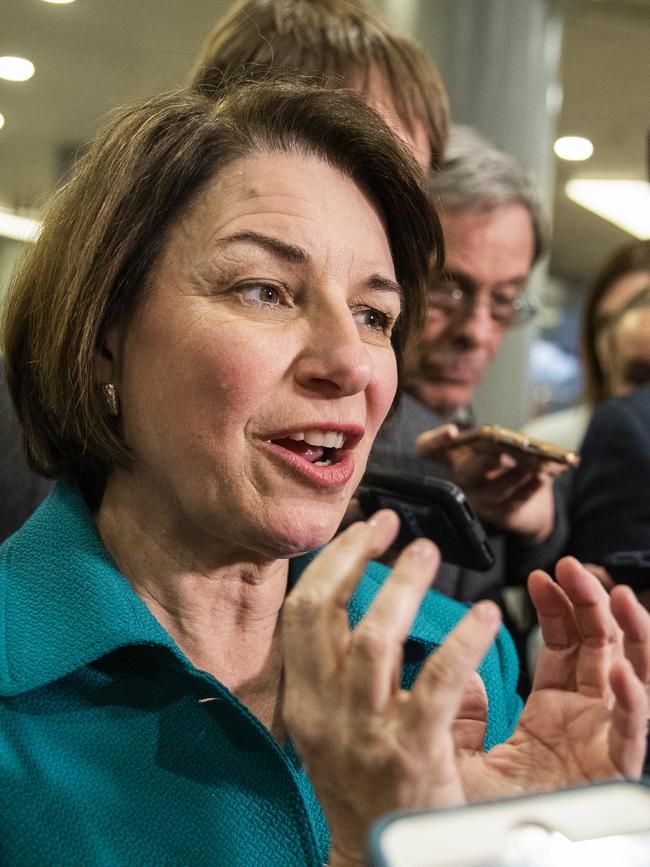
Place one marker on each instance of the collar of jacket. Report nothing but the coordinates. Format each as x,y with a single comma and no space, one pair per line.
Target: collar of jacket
70,605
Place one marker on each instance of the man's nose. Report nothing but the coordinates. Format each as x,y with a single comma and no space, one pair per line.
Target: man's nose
476,323
335,361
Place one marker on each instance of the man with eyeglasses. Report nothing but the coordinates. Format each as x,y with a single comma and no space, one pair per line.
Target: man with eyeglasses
492,222
493,237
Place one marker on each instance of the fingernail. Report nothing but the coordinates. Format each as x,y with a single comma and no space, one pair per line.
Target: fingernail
421,549
486,611
379,517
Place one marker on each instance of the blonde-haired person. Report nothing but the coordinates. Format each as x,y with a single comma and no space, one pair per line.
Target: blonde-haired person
341,43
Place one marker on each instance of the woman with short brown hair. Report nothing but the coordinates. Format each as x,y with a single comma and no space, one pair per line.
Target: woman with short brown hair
201,346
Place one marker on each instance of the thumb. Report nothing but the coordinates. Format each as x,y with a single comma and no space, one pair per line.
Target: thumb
432,442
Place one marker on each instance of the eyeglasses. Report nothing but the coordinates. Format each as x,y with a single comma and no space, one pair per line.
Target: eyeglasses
454,299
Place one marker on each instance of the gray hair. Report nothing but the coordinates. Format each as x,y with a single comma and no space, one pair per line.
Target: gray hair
475,176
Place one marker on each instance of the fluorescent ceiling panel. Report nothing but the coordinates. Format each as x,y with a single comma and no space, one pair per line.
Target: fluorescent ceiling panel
18,228
624,203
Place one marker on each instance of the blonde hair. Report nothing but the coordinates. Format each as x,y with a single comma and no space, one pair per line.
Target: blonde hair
338,41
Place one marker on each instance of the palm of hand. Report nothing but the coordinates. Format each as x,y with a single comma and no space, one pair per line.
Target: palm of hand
561,740
585,718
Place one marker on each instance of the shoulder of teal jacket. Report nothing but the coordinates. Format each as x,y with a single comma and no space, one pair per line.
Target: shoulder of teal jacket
63,602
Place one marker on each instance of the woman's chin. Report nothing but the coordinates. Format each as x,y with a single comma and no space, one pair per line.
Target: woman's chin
298,537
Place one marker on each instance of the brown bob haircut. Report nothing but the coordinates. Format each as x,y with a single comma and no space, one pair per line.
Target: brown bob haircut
632,256
341,41
107,226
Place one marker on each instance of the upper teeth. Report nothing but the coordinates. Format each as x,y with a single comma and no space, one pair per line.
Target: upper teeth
327,438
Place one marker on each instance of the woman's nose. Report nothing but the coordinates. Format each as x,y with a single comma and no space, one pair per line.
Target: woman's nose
336,361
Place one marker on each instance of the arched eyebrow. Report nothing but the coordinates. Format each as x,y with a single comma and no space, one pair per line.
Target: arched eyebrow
385,284
297,256
289,252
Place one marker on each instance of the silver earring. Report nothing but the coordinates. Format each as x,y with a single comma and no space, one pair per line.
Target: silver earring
110,399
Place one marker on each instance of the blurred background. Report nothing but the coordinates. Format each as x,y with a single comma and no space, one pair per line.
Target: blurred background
523,72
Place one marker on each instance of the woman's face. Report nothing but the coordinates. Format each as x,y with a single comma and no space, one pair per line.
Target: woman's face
258,368
617,295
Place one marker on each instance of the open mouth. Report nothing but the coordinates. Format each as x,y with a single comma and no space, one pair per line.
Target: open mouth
324,457
320,448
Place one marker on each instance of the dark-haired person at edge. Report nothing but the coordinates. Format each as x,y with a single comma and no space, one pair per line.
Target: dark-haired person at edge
201,347
622,282
609,507
493,237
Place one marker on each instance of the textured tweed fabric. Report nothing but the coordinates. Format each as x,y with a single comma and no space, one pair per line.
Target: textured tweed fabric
116,750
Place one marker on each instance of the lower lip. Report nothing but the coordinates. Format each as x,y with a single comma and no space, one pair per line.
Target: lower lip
333,477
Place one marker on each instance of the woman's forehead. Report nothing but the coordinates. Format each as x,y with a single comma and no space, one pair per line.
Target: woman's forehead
622,289
296,198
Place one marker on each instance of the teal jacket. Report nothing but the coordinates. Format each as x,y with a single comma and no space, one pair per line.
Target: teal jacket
116,750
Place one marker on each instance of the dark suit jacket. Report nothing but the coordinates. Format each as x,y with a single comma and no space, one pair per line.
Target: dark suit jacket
609,507
21,490
394,447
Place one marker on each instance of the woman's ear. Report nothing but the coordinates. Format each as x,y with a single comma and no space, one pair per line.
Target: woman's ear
108,356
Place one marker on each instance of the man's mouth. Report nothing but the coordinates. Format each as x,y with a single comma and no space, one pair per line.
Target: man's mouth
460,370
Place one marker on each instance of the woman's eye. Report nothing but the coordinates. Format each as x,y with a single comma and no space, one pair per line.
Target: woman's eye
374,319
264,293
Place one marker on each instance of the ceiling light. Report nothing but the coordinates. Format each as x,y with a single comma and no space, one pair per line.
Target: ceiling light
17,227
2,120
59,1
16,68
573,147
624,203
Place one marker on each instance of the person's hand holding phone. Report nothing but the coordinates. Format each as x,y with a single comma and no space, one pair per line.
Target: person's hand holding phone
508,487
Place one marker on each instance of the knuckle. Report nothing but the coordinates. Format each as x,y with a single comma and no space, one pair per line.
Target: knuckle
371,641
444,674
302,604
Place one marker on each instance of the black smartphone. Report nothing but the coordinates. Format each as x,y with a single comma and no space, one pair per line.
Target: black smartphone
629,567
430,507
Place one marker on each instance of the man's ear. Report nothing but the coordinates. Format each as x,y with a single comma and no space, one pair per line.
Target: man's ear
108,356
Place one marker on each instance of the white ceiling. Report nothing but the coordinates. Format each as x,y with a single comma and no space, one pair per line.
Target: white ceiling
605,73
93,55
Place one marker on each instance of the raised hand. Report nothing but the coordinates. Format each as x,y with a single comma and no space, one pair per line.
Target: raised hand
586,716
368,746
507,489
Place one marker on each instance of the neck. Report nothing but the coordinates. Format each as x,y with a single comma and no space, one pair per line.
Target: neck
222,610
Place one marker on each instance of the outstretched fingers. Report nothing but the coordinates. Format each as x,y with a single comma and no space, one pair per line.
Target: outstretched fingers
600,636
627,736
315,614
634,621
556,666
437,694
376,643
